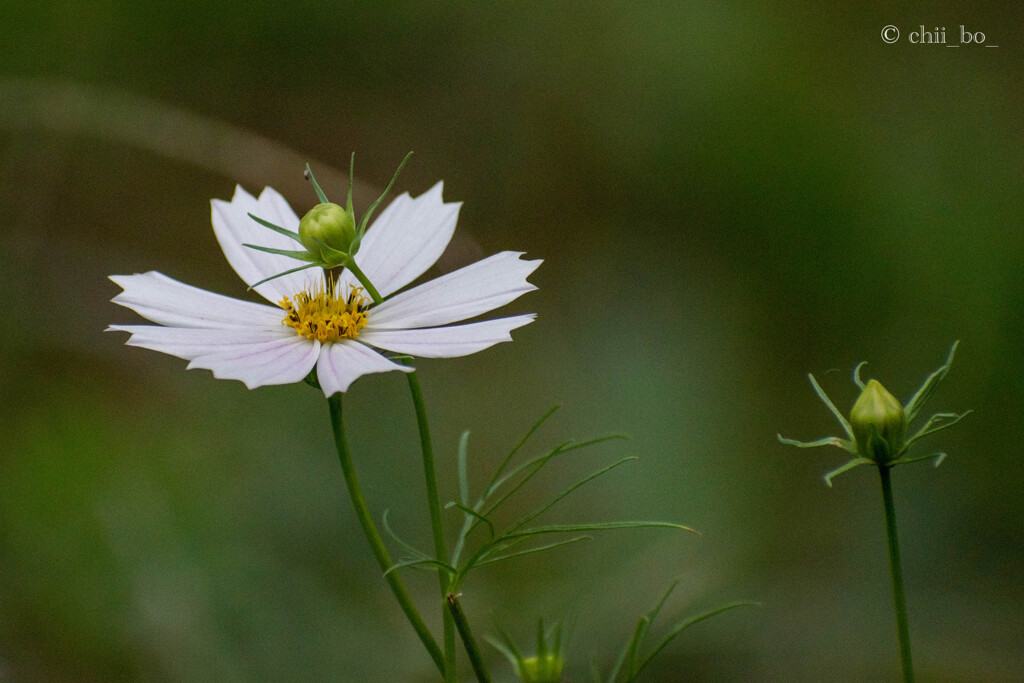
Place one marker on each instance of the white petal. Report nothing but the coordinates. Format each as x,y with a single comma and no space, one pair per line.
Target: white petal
464,293
190,342
407,238
256,357
446,342
234,227
342,363
166,301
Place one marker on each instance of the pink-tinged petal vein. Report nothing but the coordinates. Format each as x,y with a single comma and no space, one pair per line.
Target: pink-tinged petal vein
459,295
446,342
164,300
256,357
285,361
342,363
190,342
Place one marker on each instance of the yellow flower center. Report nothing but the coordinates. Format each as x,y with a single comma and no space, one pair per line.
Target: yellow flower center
321,314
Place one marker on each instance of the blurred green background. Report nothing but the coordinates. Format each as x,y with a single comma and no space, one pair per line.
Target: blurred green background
726,196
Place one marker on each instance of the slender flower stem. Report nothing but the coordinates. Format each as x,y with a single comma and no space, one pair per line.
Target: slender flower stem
472,649
898,597
436,523
433,499
373,536
364,281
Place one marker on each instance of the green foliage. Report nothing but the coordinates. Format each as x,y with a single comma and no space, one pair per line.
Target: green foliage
633,659
496,541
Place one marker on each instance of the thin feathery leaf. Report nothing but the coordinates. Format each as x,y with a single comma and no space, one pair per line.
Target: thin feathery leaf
530,551
276,228
653,614
683,625
419,563
564,447
537,464
408,547
831,406
558,498
464,468
473,513
594,526
620,661
515,449
642,626
915,404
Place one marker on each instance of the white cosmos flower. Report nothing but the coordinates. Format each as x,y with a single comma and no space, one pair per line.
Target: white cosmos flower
317,323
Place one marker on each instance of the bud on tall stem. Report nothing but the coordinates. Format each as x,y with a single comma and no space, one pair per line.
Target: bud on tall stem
878,424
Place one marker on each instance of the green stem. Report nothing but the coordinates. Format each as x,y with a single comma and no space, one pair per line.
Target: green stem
472,649
433,499
380,552
364,281
436,523
898,596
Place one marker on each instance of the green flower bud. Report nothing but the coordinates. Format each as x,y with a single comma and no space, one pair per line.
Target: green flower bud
878,424
545,668
329,224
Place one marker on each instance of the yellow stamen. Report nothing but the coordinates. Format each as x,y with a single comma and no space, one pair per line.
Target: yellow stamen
321,314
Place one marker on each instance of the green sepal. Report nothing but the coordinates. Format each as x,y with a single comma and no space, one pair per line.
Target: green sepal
351,179
329,256
276,228
856,462
845,444
369,212
287,272
936,423
938,457
856,375
316,186
297,255
311,379
831,406
918,400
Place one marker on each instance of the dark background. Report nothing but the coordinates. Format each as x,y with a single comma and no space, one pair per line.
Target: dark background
726,196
